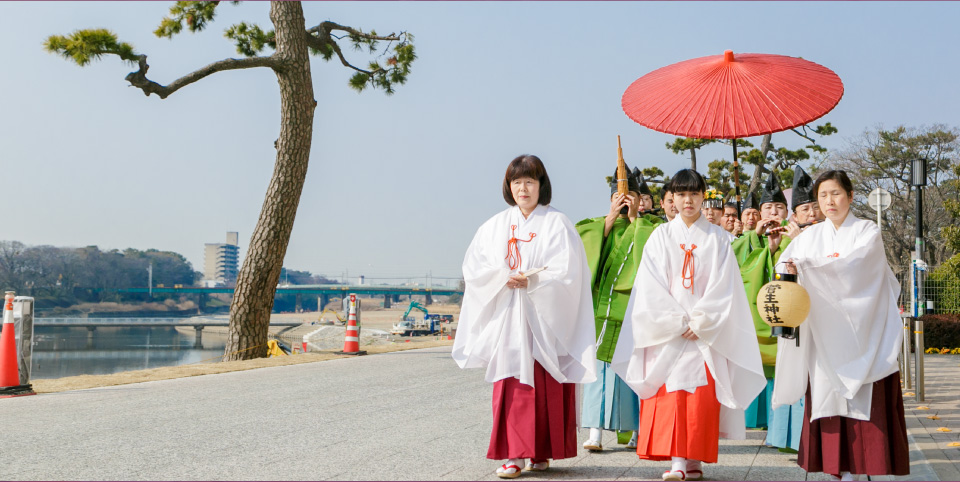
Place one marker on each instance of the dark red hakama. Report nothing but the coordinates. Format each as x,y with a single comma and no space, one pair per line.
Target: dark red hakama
874,447
537,423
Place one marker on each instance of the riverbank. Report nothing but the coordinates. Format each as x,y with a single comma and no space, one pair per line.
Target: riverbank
82,382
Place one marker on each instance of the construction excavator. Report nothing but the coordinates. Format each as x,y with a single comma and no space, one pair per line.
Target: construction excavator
410,326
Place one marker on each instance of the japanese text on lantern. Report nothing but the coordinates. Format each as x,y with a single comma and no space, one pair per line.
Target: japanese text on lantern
771,305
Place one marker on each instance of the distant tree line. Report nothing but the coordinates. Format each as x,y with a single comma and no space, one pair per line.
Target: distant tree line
63,276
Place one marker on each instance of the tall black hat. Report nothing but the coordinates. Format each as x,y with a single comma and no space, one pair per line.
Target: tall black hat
772,192
642,186
750,202
632,184
802,188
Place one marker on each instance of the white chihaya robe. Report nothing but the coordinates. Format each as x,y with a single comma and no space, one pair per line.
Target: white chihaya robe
650,351
852,336
551,321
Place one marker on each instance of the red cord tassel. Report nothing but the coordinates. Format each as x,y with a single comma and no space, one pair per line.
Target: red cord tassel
513,250
687,263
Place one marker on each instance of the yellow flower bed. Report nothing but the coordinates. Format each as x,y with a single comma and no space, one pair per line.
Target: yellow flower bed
942,351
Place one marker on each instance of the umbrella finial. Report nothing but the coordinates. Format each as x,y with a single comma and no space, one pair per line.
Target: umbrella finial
728,55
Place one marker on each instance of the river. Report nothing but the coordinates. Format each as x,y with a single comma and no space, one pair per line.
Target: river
67,351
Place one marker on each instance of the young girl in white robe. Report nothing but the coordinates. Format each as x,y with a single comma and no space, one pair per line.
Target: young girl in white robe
688,346
533,334
846,364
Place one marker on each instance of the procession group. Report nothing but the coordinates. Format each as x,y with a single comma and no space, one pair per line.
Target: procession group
656,319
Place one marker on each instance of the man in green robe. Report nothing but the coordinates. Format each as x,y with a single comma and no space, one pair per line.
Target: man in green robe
758,252
614,245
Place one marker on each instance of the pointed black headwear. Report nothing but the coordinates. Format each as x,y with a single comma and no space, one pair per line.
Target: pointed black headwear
802,188
642,186
751,202
632,184
772,192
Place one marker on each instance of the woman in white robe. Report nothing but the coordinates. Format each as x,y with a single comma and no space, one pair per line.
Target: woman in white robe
688,346
846,364
533,334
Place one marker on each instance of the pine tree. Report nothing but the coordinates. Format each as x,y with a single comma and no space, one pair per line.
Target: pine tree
291,43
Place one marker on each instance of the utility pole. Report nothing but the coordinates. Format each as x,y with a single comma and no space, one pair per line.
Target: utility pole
919,180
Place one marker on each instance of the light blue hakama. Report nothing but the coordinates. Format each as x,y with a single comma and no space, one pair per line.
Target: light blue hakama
608,403
785,427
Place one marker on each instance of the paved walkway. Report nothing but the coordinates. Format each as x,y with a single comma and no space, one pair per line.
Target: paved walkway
411,415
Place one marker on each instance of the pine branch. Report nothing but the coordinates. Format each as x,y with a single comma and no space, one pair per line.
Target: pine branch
322,42
328,26
139,79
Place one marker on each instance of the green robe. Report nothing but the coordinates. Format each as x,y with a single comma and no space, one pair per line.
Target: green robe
757,269
613,261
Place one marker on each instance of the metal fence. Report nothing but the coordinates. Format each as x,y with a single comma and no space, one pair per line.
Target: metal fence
943,293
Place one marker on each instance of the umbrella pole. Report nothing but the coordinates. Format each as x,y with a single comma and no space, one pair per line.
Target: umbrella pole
736,176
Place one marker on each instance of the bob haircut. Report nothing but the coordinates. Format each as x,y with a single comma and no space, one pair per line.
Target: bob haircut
687,180
527,166
834,175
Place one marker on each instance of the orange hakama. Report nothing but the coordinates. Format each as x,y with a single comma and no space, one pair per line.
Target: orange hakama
680,424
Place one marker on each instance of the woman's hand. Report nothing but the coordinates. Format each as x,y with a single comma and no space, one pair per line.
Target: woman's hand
791,266
517,281
690,335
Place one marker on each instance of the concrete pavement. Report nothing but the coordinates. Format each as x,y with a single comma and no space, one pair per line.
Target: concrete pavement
411,415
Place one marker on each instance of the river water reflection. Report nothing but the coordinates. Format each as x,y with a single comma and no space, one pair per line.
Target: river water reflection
67,351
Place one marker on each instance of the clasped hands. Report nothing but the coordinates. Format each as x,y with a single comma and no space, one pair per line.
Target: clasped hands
517,281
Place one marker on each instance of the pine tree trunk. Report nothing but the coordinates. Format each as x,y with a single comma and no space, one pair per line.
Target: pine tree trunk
756,179
257,280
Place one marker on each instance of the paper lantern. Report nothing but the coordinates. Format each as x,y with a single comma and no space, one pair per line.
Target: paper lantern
783,304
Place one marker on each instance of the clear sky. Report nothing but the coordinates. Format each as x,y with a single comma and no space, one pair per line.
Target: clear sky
397,185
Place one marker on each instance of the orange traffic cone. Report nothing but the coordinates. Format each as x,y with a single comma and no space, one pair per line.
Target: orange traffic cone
351,339
9,369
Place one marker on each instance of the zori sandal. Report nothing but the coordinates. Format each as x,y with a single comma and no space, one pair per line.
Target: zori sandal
511,471
537,466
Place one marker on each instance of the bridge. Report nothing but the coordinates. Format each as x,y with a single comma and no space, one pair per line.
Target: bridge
198,323
323,292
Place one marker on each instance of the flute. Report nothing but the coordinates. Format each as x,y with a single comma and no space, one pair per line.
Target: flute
780,229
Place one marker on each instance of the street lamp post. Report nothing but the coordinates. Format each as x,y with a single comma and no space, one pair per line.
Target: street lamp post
918,178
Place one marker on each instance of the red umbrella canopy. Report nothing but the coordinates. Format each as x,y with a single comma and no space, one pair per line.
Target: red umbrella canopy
728,97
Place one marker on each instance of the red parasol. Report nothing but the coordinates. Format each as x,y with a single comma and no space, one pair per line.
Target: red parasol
727,97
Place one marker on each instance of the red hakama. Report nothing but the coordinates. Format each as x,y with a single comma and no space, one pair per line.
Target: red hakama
537,423
680,424
874,447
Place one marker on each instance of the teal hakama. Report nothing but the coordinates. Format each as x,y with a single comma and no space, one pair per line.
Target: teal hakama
609,403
